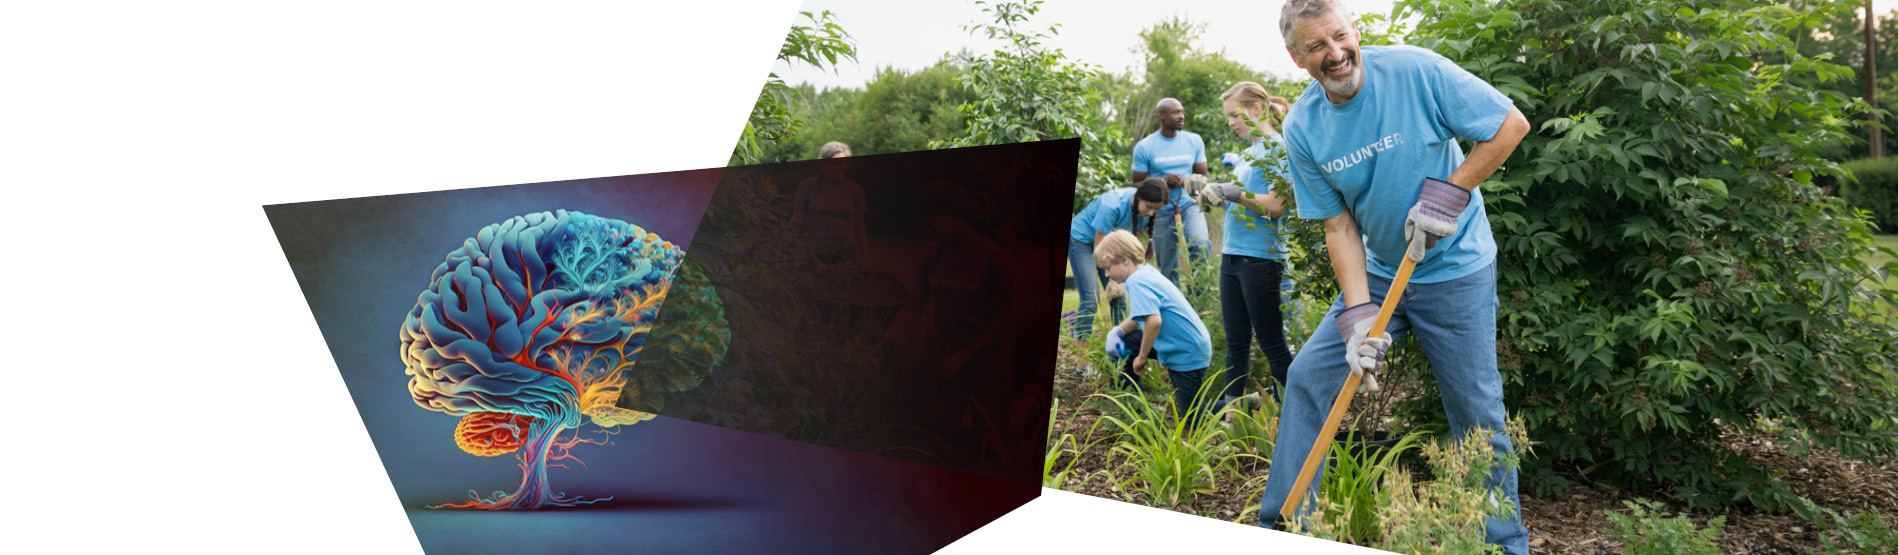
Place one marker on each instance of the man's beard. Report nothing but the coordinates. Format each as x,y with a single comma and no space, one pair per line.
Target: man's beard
1344,86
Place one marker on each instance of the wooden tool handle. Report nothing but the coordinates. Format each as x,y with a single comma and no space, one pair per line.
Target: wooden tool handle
1325,434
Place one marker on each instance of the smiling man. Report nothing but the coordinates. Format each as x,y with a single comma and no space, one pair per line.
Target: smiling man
1179,157
1374,153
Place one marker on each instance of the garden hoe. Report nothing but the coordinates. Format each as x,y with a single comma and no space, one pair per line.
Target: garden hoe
1323,445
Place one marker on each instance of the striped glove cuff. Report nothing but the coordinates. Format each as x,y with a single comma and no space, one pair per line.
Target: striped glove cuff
1348,320
1443,200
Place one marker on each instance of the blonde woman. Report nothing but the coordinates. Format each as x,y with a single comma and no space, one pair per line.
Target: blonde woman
1253,259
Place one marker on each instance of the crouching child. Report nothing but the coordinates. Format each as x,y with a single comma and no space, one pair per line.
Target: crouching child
1161,325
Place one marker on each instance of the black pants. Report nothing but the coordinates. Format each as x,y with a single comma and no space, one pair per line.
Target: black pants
1186,385
1249,303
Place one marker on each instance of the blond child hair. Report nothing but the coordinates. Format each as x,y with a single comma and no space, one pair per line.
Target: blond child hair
1117,246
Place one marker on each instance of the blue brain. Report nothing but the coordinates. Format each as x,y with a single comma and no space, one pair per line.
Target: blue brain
513,320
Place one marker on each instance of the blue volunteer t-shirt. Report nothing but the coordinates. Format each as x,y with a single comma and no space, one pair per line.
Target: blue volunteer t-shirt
1262,241
1370,155
1112,210
1160,157
1183,342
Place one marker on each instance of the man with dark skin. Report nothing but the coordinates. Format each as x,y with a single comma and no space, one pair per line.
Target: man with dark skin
1178,156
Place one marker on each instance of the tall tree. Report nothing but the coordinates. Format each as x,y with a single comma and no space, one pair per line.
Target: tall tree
819,42
1027,91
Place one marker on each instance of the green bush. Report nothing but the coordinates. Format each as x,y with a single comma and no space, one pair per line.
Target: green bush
1861,533
1648,532
1875,190
1444,516
1667,271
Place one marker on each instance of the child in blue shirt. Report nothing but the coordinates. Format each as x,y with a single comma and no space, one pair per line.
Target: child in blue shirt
1161,321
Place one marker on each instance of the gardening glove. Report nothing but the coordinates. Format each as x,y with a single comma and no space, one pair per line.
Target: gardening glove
1434,216
1365,353
1115,346
1217,195
1194,184
1231,159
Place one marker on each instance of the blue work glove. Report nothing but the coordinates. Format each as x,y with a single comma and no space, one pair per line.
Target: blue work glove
1231,159
1434,216
1115,347
1365,353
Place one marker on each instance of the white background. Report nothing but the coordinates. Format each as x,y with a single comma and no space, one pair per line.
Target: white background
175,394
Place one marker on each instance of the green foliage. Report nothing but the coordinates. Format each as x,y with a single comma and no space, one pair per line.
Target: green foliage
1176,463
897,111
1066,447
1648,532
1874,190
1837,35
1862,533
1172,66
819,44
1666,268
1443,516
1351,485
1026,91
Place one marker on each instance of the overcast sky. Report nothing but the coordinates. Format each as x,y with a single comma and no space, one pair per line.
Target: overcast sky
911,35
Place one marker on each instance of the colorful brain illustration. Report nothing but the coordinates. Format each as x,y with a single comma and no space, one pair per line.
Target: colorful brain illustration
531,330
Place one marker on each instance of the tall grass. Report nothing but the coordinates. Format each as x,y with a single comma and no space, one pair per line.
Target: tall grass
1175,462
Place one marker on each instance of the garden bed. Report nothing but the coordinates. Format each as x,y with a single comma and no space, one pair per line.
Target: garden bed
1573,523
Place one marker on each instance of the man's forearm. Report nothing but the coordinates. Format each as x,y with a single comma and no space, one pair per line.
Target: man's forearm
1489,155
1346,246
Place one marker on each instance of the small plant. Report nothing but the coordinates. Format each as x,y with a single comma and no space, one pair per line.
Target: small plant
1444,516
1254,429
1065,446
1176,462
1647,532
1351,484
1862,533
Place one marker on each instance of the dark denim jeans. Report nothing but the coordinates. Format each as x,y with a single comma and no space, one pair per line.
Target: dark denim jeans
1088,280
1166,245
1249,302
1455,323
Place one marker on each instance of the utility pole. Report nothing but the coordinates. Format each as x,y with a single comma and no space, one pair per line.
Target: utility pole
1871,78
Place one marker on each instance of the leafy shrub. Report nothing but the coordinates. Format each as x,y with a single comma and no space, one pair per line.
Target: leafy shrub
1874,190
1666,269
1861,533
1026,91
1648,532
1443,516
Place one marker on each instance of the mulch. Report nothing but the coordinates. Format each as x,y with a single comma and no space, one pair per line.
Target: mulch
1570,524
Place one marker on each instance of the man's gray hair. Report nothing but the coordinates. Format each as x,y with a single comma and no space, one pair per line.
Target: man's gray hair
1296,11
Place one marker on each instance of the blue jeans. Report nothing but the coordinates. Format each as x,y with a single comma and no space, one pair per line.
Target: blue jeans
1455,323
1088,280
1166,247
1249,303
